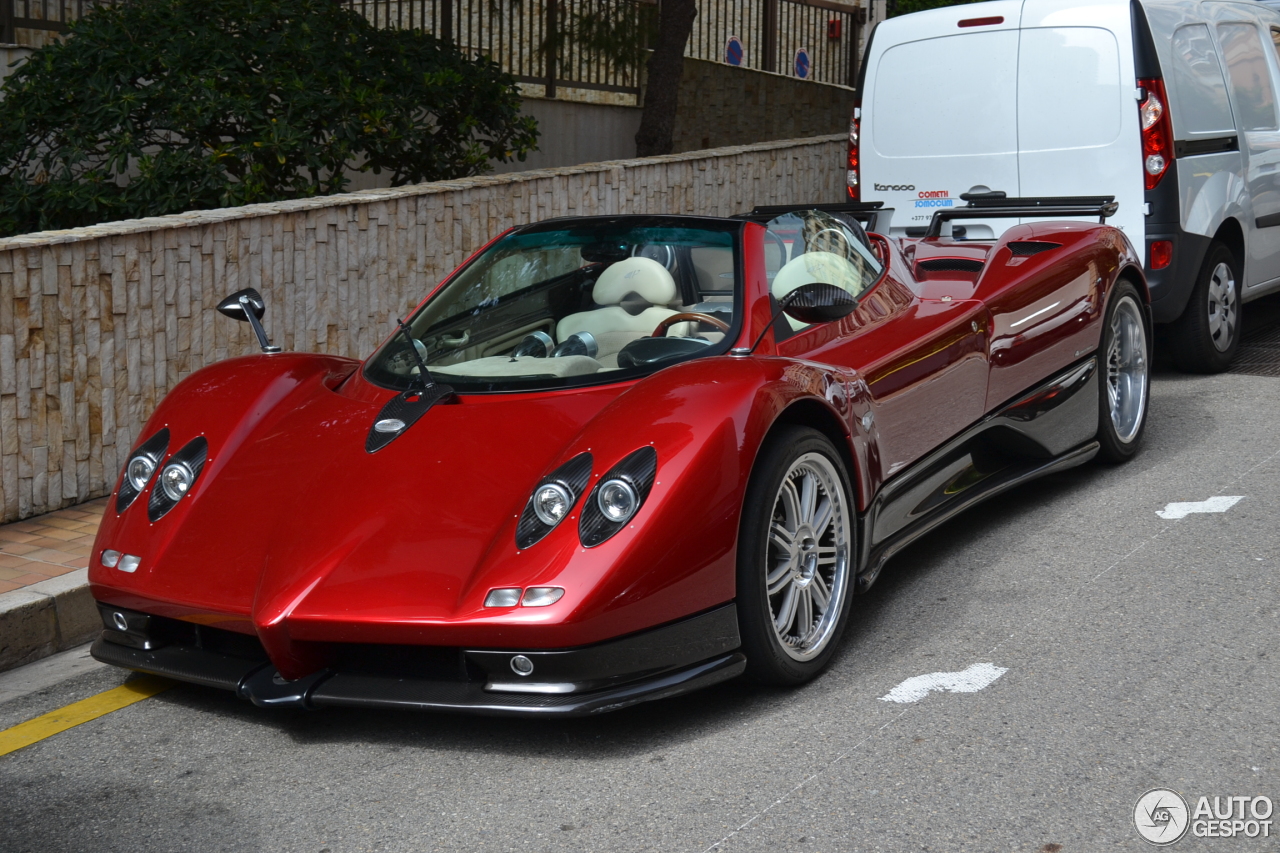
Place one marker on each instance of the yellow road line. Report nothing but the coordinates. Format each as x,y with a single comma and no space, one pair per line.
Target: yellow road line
70,716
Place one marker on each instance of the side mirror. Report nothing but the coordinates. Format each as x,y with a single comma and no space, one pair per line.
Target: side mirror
818,302
248,306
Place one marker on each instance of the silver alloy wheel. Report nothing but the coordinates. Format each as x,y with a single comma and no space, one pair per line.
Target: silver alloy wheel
1223,312
807,563
1127,369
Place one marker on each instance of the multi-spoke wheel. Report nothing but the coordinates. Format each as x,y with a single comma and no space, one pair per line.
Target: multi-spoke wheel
795,557
1125,384
1205,338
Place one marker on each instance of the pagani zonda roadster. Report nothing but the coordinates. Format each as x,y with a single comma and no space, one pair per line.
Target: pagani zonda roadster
612,459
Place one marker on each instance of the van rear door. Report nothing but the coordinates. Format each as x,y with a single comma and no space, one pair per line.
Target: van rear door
940,113
1077,111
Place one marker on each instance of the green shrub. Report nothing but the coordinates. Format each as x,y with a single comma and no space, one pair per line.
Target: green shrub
160,106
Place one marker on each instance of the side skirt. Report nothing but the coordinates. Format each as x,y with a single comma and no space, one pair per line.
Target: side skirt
1050,428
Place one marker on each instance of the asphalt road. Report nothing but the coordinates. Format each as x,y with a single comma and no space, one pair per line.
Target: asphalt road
1140,653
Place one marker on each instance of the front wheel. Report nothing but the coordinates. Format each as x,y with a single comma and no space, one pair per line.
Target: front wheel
1205,338
1126,385
795,557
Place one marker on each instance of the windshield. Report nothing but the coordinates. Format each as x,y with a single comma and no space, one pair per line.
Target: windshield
576,302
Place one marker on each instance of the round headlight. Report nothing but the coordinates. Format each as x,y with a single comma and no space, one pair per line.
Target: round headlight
139,472
176,480
551,503
617,500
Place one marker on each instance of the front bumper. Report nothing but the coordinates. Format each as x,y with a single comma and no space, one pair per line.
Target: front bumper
677,658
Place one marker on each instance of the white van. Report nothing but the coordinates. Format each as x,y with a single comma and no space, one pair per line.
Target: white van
1167,105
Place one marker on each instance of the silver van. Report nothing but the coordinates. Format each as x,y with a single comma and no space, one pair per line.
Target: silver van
1167,105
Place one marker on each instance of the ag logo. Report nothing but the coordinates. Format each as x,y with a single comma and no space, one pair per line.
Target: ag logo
1161,816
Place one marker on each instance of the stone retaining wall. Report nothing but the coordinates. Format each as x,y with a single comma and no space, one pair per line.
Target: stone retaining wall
97,324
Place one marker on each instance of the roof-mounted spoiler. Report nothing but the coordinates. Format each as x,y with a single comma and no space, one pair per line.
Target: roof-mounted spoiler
871,215
994,205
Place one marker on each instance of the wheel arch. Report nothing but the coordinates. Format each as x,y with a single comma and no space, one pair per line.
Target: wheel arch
1231,235
818,415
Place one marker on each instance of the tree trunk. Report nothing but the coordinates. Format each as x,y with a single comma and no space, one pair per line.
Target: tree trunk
658,121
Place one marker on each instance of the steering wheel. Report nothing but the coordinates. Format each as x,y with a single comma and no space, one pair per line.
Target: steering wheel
661,330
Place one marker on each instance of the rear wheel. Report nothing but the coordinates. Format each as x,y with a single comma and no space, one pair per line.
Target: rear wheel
1125,386
795,557
1205,338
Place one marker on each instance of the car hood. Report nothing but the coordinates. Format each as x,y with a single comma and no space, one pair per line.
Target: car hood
291,516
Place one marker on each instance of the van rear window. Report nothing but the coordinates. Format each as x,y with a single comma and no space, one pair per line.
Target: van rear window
932,99
1199,91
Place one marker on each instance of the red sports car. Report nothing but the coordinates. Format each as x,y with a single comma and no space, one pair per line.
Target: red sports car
615,458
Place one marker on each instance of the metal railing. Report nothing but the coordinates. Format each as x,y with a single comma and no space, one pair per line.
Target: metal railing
772,34
544,42
46,15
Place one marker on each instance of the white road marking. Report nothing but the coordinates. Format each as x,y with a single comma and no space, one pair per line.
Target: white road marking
969,680
1222,503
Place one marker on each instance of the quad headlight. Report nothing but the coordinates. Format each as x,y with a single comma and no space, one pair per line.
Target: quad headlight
551,503
552,500
618,497
140,468
177,477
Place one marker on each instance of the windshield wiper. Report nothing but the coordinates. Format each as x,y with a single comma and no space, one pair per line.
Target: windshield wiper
424,379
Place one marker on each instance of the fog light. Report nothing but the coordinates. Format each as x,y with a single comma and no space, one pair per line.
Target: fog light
1161,254
618,501
507,597
541,596
129,563
521,665
110,558
119,621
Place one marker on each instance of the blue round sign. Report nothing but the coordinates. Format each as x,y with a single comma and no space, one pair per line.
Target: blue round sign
802,63
733,51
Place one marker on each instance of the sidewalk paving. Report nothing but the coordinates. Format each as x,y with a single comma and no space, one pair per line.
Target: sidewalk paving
45,606
48,546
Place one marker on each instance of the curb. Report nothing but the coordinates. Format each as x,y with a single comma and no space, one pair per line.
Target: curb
45,618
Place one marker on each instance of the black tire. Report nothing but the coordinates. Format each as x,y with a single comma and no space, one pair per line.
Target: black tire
1124,387
814,562
1205,338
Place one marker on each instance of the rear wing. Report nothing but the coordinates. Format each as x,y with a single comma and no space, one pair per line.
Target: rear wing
994,205
871,215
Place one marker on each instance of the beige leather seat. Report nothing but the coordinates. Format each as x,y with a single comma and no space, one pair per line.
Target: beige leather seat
647,289
826,267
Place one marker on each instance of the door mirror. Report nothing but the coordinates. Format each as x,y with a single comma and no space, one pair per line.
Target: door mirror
248,306
238,305
818,302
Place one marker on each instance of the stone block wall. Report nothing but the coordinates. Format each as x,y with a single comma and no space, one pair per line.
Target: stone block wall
723,105
98,323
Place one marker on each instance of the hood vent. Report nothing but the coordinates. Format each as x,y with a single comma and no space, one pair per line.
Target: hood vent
1023,248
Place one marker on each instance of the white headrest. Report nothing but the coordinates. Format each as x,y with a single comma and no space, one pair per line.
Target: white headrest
646,277
826,267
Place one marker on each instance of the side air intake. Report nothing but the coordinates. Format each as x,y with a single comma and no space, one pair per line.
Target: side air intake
1022,248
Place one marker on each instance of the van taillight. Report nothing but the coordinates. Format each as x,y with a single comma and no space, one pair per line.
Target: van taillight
852,183
1157,131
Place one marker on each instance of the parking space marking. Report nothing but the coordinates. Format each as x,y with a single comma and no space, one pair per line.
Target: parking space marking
1020,629
969,680
1222,503
70,716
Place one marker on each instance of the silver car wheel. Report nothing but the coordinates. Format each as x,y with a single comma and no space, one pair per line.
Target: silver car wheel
807,566
1127,369
1224,314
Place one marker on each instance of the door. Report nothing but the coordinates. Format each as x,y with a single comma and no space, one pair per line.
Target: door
1078,119
1250,78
